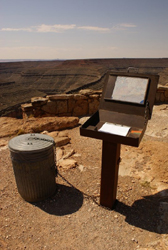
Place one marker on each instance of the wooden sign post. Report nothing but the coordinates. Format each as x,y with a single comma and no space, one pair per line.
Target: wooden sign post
109,173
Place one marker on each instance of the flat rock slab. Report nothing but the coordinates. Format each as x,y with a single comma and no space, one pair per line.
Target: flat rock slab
11,126
67,164
61,141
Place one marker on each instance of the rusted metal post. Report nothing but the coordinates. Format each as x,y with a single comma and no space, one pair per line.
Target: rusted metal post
109,174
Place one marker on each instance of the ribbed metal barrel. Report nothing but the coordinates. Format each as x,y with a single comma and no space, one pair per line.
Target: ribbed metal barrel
33,160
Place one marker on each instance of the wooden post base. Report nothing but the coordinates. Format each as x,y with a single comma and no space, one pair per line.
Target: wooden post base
109,174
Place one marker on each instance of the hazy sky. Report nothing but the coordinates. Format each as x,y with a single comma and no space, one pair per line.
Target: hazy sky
74,29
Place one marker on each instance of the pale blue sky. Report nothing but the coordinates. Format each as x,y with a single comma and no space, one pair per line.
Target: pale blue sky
74,29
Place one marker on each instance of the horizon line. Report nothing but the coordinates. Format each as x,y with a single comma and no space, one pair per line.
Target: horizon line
57,59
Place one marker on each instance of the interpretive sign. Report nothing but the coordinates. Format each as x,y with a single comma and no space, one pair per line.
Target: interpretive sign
125,108
130,89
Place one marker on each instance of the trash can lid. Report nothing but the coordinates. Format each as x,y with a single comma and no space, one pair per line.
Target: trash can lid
31,142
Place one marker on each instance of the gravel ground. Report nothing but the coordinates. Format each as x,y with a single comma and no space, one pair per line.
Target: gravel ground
73,218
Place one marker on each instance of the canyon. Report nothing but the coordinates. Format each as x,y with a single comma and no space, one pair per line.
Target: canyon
20,81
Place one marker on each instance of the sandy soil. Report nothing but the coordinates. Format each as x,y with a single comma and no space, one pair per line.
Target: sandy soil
73,218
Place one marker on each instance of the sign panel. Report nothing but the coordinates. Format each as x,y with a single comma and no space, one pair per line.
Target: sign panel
130,89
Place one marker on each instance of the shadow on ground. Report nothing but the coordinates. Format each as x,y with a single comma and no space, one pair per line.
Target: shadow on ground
67,200
149,213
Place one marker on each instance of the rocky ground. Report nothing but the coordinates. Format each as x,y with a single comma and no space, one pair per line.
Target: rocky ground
73,218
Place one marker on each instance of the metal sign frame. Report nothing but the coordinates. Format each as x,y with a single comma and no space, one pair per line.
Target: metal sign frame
124,113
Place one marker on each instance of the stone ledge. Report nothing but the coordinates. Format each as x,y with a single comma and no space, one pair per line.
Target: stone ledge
163,87
85,102
60,97
27,106
89,92
38,101
162,94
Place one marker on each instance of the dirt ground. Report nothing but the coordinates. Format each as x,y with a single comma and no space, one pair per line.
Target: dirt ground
72,219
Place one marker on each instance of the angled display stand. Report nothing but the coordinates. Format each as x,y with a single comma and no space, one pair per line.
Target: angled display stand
125,108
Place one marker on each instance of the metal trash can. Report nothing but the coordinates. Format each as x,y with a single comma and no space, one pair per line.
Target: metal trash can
33,160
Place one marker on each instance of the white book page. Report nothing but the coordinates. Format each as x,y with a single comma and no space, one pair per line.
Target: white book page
114,129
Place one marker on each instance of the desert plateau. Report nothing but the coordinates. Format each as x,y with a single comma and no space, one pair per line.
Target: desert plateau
73,219
20,81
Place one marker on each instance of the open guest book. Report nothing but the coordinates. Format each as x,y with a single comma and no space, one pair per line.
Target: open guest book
114,129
